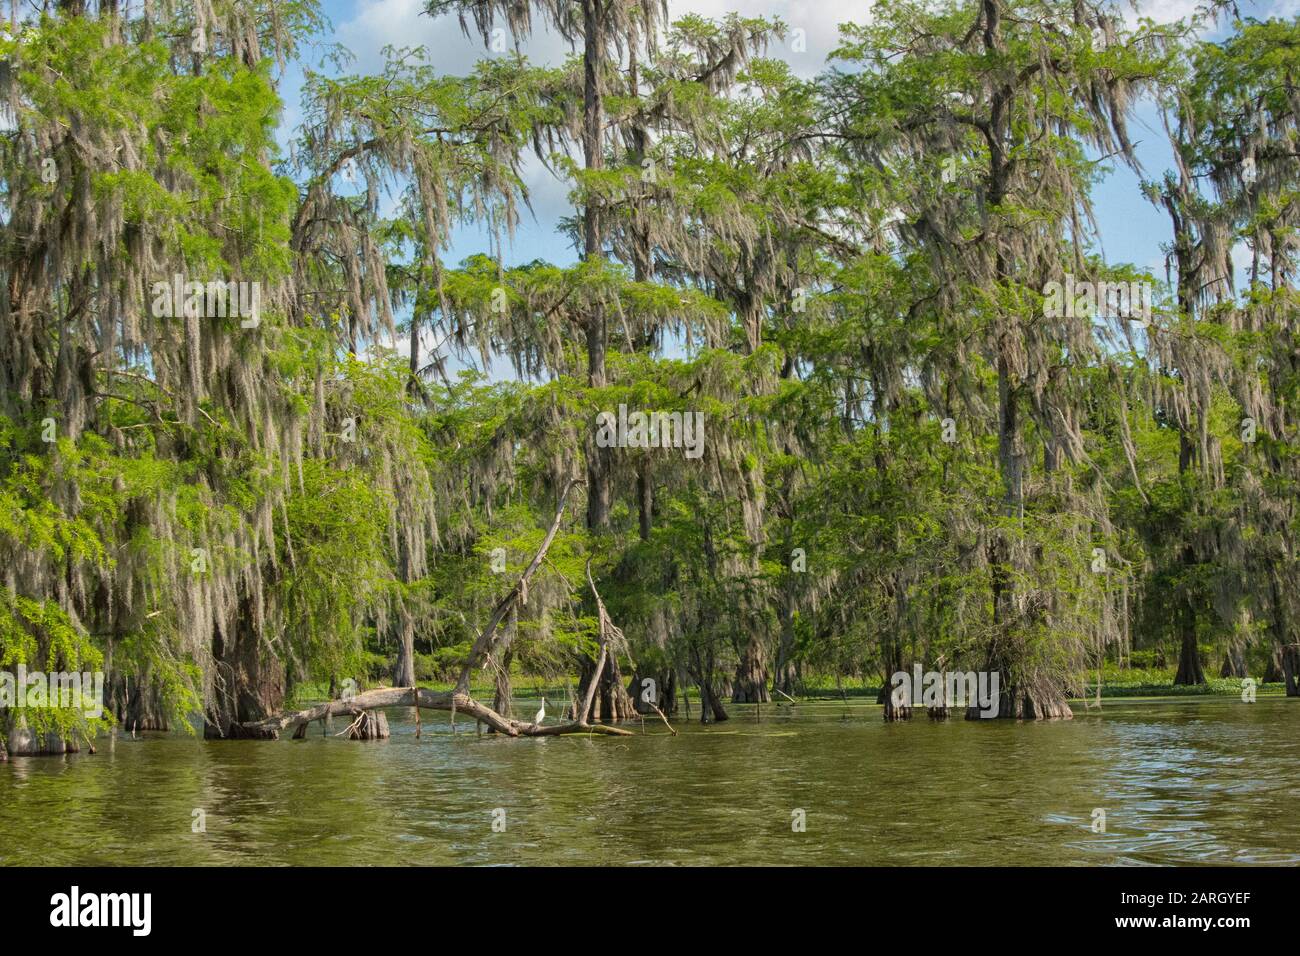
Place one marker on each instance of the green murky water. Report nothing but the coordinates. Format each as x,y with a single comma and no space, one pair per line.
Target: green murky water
1181,782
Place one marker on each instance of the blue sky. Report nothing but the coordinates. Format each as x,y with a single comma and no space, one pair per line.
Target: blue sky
1132,229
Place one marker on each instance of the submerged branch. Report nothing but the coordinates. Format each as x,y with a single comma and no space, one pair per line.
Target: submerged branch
454,701
519,592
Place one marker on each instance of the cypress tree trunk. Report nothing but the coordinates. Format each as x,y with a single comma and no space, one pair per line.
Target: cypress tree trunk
1287,655
896,707
23,742
248,683
711,709
1190,670
1036,699
1026,702
783,678
1273,670
404,665
1017,699
611,701
135,703
593,124
1291,670
504,692
645,499
750,685
1234,664
665,691
943,710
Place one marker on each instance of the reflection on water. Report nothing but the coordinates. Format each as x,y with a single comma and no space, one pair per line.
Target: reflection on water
1185,781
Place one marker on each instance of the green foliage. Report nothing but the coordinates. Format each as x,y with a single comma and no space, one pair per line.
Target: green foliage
905,460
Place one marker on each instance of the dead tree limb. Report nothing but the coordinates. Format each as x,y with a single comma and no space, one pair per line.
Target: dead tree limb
662,716
483,644
431,700
594,683
458,699
610,640
600,658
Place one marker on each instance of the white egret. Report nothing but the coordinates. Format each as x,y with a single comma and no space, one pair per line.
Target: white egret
541,712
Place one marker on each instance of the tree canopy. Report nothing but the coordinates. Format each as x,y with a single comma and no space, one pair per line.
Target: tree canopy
244,447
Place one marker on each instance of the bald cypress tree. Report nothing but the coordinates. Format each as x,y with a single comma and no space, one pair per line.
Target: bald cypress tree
1235,135
978,87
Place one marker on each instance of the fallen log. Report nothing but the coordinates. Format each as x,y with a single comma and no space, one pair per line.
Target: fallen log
431,700
481,653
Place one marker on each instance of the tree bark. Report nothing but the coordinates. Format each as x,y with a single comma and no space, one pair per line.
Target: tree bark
135,702
22,742
485,642
503,692
665,691
1291,670
783,676
404,664
593,150
711,709
601,690
895,707
1273,670
645,498
384,697
1190,671
895,663
1025,702
1288,648
610,700
1234,664
750,684
249,682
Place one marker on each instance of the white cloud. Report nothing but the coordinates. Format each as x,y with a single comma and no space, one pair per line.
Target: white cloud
375,24
1161,11
1167,11
818,20
1241,259
366,26
369,25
